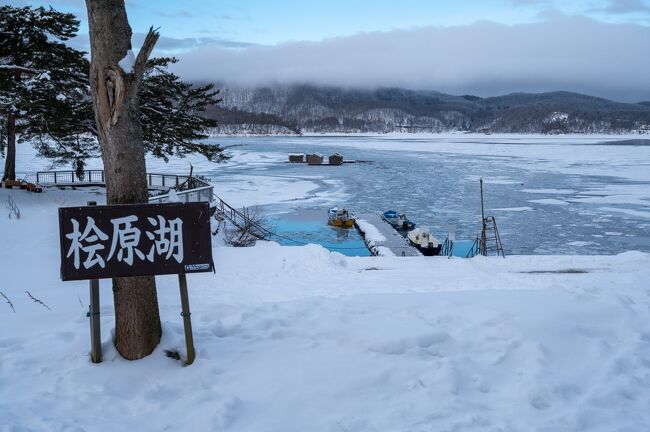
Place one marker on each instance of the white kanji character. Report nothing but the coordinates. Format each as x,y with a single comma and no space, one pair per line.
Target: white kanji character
90,234
169,238
128,238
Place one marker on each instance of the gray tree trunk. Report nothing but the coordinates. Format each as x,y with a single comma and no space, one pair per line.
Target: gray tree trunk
115,99
10,156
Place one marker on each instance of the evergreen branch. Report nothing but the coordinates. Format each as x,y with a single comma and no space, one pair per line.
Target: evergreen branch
17,68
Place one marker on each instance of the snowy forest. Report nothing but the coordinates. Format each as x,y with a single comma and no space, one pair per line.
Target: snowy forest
310,109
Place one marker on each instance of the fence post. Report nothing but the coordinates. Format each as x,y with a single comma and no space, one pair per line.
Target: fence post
55,177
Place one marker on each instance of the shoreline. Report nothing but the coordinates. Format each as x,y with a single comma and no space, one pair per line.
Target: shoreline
441,135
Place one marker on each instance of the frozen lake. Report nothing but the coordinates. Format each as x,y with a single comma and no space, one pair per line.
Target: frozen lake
550,195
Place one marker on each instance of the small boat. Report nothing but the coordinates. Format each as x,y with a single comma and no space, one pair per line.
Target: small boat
424,241
340,218
398,220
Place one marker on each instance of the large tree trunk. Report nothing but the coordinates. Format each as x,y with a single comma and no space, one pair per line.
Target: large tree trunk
115,99
10,161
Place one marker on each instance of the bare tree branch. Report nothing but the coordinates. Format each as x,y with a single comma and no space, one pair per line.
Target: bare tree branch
37,300
141,60
11,305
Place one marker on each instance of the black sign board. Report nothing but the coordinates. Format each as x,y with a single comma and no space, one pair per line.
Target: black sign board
134,240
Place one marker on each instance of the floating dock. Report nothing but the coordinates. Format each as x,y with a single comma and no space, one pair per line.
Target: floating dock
393,241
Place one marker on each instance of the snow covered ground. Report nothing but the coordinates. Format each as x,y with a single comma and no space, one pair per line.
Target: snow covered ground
301,339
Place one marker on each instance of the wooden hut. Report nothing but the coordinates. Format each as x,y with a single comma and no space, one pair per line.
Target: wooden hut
315,159
336,159
297,157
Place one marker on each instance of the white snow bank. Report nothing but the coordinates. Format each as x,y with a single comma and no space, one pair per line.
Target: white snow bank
370,231
297,338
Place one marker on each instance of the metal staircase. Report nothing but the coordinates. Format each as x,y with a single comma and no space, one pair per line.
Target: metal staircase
490,239
240,219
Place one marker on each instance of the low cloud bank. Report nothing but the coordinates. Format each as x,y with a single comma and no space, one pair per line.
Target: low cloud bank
576,54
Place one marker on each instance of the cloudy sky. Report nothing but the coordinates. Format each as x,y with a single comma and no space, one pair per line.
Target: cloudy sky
483,47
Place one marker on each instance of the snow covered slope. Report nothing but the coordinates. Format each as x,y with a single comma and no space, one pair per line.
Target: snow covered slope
301,339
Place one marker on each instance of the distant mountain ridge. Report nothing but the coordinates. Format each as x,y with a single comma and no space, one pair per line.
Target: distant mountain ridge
310,109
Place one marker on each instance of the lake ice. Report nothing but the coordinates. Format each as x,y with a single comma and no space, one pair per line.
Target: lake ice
550,195
578,194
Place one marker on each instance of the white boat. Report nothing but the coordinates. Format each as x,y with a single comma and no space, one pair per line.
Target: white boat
426,243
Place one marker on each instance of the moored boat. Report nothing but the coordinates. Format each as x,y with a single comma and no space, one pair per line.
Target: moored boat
398,220
426,243
340,218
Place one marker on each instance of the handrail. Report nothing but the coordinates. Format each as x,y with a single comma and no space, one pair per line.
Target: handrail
188,187
187,193
59,177
232,214
447,248
474,250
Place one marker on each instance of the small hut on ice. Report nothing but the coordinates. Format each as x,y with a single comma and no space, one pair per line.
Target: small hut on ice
315,159
336,159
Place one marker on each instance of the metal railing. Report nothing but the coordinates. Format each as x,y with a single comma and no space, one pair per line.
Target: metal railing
447,248
241,220
187,189
475,249
86,177
68,177
205,193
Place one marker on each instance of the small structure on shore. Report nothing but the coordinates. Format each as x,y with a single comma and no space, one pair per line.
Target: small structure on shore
315,159
297,157
336,159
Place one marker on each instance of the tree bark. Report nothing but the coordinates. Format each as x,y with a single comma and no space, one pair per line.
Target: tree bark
115,100
10,160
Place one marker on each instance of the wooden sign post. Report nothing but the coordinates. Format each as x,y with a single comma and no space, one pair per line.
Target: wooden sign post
95,329
187,322
93,315
99,242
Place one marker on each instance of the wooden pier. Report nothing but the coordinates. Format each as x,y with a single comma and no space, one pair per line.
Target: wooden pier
394,241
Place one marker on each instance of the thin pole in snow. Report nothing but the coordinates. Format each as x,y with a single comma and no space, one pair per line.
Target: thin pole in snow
187,322
93,314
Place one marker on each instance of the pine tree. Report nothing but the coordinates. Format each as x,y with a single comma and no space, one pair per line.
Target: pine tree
172,113
32,54
62,125
51,106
